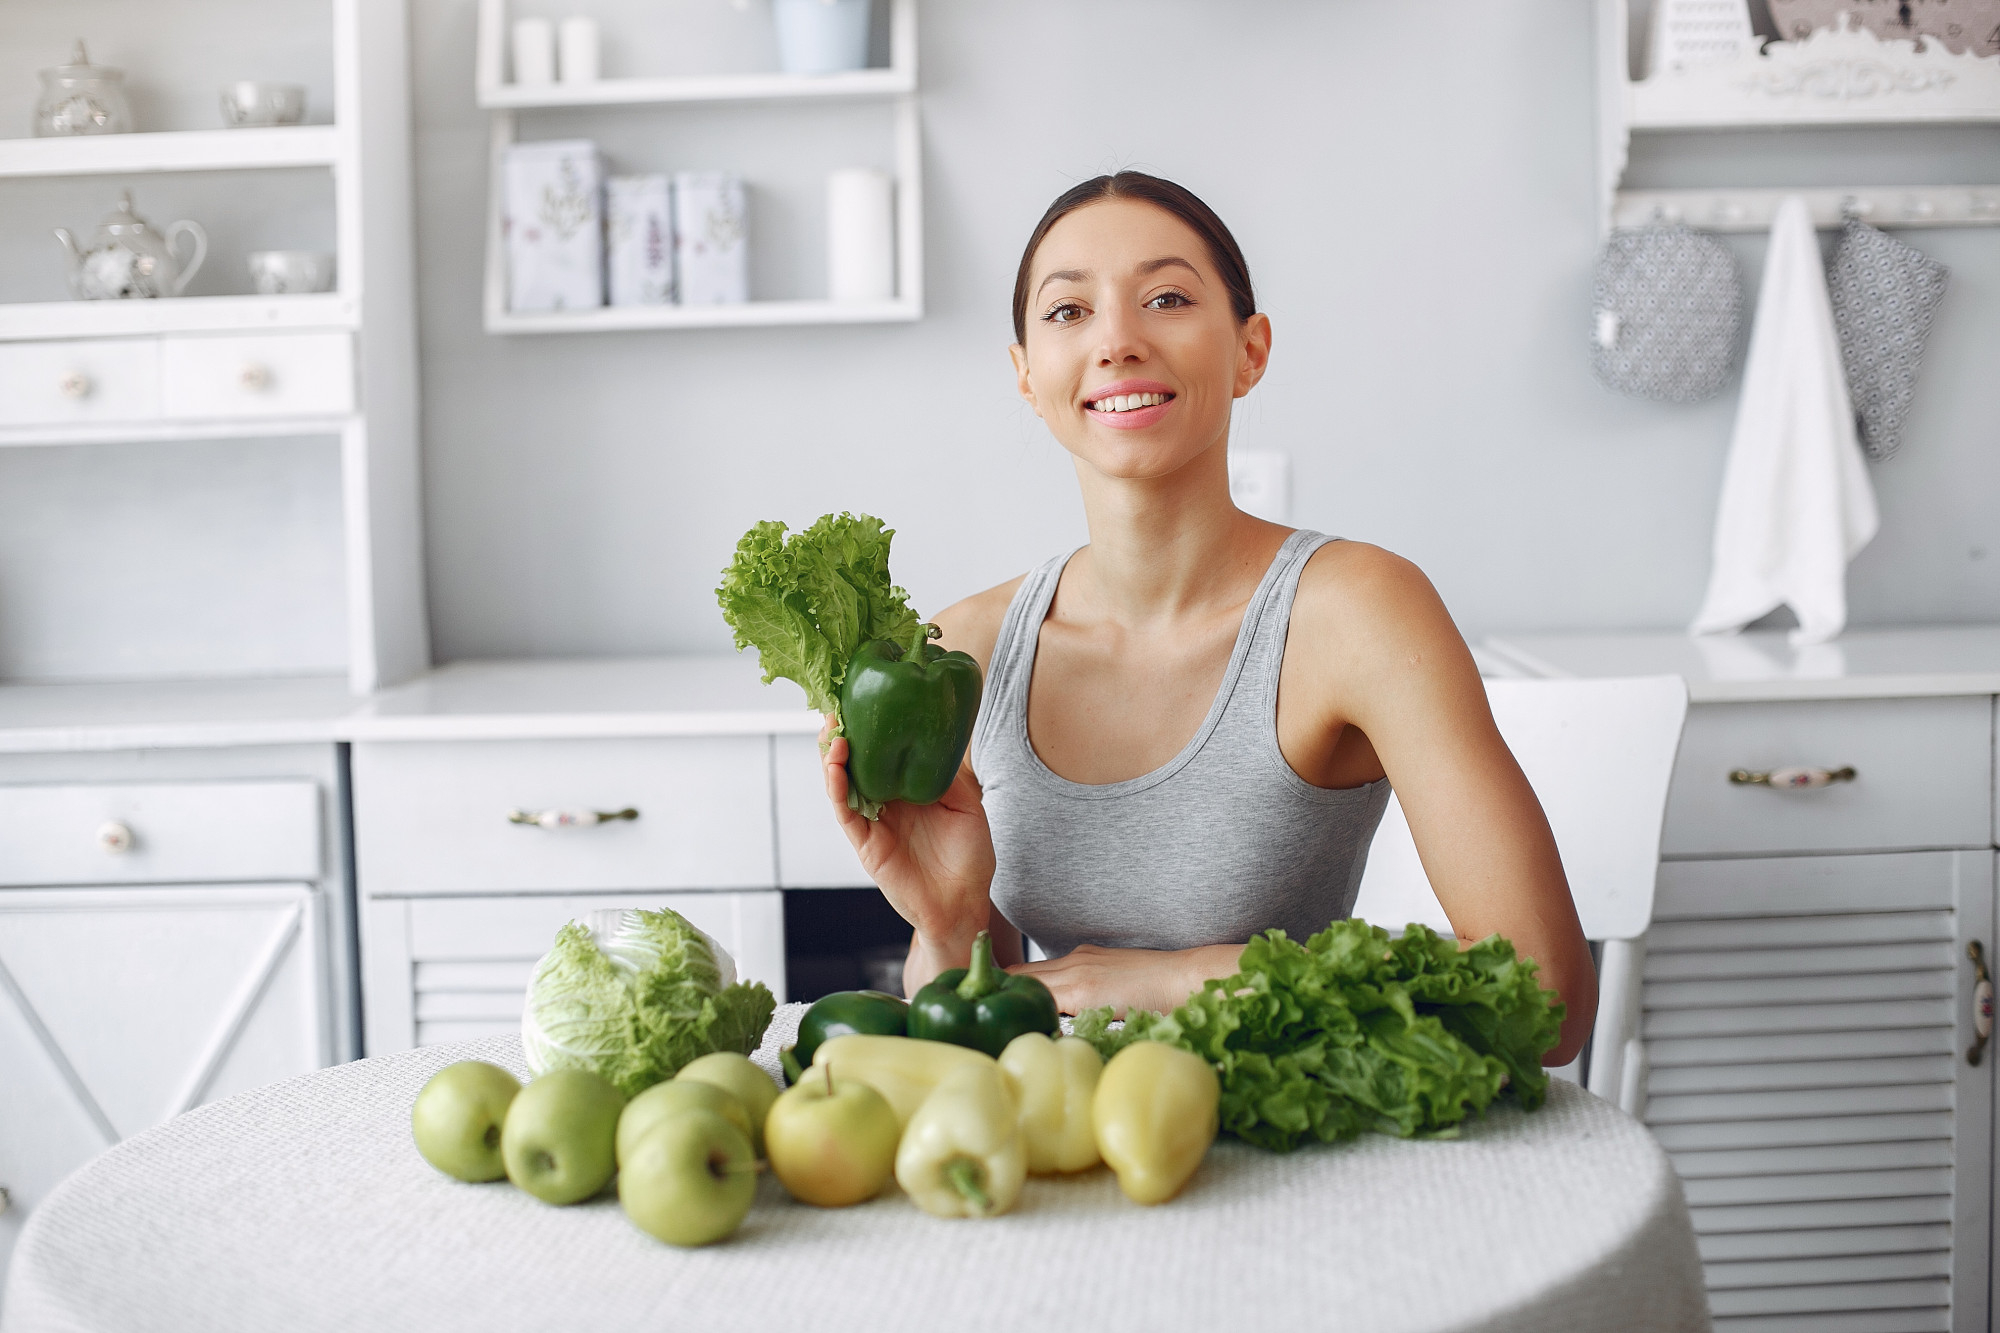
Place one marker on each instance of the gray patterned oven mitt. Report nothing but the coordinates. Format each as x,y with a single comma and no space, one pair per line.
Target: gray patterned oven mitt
1669,305
1884,295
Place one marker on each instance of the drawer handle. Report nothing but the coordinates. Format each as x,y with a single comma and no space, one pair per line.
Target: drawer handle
114,838
75,384
1792,779
1982,1005
569,818
254,377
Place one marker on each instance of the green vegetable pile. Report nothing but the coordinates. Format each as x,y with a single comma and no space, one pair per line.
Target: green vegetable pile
636,999
1354,1031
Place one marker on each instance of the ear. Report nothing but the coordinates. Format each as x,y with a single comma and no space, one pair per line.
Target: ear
1255,354
1022,384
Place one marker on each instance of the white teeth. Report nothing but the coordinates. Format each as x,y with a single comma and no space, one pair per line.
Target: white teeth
1127,402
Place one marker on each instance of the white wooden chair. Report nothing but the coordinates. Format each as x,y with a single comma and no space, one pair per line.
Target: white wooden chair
1599,754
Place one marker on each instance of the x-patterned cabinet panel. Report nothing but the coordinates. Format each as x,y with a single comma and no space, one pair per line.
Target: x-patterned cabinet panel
120,1008
450,969
1808,1026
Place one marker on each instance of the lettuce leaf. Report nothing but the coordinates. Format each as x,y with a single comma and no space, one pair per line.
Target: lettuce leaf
807,603
1354,1032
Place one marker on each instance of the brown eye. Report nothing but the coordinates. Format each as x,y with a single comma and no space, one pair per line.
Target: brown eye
1168,301
1067,313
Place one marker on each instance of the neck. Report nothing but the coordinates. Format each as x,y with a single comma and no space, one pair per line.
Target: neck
1161,546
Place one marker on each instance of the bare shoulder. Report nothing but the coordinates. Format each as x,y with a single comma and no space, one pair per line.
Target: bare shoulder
1362,611
973,625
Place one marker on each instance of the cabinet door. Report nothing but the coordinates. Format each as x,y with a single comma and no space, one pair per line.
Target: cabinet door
1806,1025
120,1008
450,969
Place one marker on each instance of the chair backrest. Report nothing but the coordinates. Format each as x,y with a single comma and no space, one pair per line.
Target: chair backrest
1599,754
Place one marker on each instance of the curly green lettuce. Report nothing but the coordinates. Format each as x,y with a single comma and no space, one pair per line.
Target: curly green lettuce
1354,1031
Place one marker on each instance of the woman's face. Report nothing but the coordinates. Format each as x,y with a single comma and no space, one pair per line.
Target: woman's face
1133,353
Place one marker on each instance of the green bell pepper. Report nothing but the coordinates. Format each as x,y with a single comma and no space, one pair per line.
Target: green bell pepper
847,1011
907,712
982,1006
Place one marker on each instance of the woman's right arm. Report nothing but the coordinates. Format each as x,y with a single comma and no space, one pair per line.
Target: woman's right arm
934,863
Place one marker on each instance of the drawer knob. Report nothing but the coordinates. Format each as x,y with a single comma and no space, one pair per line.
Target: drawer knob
569,818
1982,1005
255,376
1792,779
115,838
75,384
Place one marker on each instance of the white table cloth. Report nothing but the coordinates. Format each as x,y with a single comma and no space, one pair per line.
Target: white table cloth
304,1205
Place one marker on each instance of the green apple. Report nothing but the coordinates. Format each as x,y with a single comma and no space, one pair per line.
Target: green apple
832,1141
738,1074
561,1133
689,1179
458,1116
664,1101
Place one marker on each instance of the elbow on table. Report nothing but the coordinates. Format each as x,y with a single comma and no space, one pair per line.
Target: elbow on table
1579,997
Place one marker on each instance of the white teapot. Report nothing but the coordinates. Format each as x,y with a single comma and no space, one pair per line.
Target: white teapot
126,258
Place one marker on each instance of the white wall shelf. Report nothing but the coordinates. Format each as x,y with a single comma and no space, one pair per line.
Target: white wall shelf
182,150
1755,210
163,432
897,84
180,314
1833,77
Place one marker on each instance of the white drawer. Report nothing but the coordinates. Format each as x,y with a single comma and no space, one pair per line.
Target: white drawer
1923,777
55,383
140,833
470,958
268,375
812,851
432,817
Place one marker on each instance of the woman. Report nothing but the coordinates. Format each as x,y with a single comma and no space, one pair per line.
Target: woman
1190,725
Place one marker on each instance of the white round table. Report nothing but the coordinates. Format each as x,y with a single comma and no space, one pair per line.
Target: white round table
304,1206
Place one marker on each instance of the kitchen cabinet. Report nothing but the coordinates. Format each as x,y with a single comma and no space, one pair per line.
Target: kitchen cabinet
1807,997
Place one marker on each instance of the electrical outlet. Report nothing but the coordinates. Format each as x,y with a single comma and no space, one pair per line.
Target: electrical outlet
1260,482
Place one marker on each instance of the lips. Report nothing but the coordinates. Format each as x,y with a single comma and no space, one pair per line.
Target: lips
1129,404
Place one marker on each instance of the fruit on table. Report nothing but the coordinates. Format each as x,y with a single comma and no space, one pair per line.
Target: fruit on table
902,1069
962,1155
457,1118
665,1101
847,1011
1057,1083
560,1137
740,1075
832,1139
690,1179
982,1006
1155,1115
907,708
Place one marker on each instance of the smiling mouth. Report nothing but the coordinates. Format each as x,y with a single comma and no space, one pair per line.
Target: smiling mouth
1128,402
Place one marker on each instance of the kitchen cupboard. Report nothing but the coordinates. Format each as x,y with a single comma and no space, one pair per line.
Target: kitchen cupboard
1807,998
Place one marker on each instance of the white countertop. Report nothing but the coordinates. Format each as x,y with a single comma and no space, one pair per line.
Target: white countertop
1736,668
714,695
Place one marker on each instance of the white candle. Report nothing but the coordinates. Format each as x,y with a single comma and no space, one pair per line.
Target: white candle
534,51
861,235
579,50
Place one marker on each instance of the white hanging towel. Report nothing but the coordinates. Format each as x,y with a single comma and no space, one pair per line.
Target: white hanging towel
1796,502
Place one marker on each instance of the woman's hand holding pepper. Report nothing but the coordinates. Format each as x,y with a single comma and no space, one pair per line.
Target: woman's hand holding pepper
1089,976
934,863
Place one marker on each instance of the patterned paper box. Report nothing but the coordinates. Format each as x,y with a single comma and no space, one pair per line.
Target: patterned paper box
554,225
639,240
711,238
1960,25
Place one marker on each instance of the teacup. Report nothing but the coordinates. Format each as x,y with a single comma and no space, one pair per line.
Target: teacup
289,272
254,103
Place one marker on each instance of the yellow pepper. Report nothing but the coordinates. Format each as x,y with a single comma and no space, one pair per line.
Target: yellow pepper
1155,1115
902,1069
1057,1081
961,1155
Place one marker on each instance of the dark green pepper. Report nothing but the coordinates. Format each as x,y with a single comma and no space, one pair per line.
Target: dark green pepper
907,712
847,1011
982,1006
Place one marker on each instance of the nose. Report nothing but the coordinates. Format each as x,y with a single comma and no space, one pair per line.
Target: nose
1122,337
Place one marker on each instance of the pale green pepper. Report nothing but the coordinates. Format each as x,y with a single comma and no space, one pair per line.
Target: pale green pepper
1057,1081
961,1154
902,1069
1155,1114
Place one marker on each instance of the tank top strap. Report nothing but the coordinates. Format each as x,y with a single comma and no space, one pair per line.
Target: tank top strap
1267,624
1004,695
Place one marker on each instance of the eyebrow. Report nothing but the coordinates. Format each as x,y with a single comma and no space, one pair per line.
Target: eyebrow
1151,266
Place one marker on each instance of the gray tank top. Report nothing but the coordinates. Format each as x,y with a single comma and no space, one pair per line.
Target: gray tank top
1221,842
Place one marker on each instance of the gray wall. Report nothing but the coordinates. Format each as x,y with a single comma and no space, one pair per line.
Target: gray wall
1416,201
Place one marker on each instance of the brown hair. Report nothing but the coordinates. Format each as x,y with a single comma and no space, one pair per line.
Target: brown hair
1223,251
